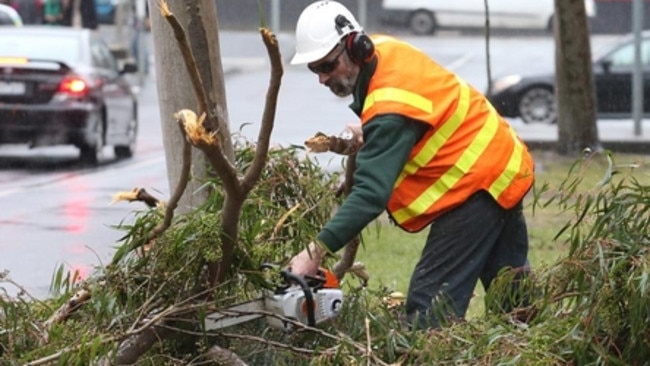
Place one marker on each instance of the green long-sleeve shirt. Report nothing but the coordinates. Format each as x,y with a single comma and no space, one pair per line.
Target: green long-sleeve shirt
388,141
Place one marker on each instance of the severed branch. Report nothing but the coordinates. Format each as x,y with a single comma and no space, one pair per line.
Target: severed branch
223,356
138,194
321,142
65,311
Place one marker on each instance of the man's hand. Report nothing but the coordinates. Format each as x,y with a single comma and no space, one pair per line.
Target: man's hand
354,135
353,131
308,261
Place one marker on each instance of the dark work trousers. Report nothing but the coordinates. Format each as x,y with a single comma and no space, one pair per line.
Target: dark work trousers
471,242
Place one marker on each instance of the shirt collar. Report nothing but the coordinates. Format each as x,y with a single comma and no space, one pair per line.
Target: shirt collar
361,88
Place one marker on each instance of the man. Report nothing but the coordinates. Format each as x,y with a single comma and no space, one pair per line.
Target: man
435,154
30,10
80,14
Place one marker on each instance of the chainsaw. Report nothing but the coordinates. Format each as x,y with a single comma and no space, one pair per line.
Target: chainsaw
307,300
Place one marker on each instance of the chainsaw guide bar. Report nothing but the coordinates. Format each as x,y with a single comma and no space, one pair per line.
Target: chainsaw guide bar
308,300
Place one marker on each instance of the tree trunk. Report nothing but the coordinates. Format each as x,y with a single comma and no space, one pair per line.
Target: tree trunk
199,18
575,92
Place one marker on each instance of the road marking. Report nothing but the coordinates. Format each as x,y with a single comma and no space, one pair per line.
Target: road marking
460,62
8,192
109,168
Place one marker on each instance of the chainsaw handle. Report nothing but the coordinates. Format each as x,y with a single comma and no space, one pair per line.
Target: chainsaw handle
309,297
323,278
316,282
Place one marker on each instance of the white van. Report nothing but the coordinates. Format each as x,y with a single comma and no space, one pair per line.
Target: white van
426,16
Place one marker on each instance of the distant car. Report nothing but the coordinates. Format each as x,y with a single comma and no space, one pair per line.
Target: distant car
9,16
427,16
533,97
62,86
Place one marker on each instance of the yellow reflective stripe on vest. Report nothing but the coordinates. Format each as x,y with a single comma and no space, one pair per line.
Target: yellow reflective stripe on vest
381,39
398,95
508,174
453,175
440,137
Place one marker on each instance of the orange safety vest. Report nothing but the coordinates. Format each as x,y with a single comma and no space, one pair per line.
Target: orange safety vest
470,147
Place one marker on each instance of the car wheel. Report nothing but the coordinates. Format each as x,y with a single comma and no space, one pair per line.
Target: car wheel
537,105
90,150
126,151
422,22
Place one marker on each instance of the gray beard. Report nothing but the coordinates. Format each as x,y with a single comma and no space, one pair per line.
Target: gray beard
343,88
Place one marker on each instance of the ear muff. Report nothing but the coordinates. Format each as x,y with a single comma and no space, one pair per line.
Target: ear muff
359,47
357,44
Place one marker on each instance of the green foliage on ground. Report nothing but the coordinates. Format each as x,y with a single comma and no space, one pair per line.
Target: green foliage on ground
589,244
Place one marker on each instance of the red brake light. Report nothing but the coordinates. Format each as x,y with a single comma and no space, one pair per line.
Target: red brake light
73,86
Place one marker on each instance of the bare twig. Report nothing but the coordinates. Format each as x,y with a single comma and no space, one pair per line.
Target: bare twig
368,338
4,277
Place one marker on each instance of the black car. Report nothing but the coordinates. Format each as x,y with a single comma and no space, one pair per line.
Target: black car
533,97
63,86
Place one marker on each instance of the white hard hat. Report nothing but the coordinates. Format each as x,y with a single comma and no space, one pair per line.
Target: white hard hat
320,28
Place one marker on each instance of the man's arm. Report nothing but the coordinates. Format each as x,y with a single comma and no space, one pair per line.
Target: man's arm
388,141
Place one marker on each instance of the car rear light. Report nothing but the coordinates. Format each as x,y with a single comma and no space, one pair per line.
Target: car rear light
73,86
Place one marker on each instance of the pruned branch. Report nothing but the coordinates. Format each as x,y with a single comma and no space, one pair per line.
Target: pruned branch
214,152
188,56
268,117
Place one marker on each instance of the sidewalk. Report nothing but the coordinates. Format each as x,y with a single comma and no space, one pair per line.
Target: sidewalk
615,135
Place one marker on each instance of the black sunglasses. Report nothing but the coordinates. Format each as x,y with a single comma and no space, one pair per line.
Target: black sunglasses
327,66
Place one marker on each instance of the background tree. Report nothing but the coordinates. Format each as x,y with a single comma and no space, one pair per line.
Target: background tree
488,66
575,93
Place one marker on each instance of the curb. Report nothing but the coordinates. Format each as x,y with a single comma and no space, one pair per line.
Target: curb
619,146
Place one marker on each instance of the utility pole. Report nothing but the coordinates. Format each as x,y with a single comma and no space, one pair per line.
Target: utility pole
363,12
275,16
637,75
141,54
